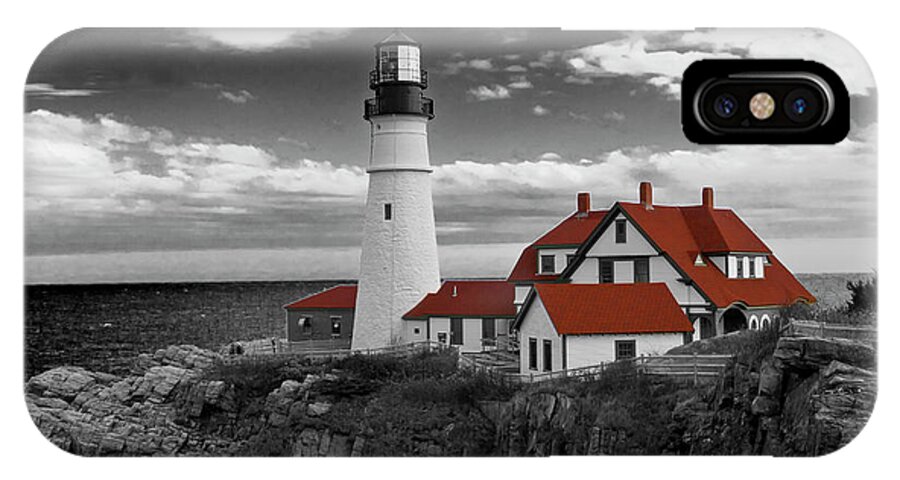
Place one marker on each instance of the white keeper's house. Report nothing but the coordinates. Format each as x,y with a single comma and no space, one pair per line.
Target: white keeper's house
640,278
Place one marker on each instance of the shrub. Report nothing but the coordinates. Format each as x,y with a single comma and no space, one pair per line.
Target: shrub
257,376
423,364
464,389
862,296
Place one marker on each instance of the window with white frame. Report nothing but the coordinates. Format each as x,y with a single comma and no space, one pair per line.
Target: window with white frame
548,264
760,266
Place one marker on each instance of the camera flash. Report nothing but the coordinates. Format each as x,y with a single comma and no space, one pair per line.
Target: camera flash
762,105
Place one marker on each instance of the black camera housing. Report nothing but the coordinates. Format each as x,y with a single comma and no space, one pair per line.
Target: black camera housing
811,102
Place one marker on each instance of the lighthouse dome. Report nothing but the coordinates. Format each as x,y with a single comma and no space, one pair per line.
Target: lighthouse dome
397,60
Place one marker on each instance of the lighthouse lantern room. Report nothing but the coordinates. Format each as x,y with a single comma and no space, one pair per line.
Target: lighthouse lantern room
398,263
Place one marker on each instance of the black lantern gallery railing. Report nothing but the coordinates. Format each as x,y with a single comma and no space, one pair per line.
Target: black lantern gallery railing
399,105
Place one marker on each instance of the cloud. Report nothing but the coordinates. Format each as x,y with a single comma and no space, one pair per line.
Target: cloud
261,39
482,64
540,111
484,92
781,191
633,56
578,80
614,116
76,165
580,117
550,156
515,69
48,90
239,97
660,59
103,173
811,44
520,82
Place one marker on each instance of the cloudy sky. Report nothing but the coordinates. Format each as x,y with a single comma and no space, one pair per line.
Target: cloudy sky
156,155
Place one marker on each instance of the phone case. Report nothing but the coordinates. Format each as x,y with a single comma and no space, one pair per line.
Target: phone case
437,242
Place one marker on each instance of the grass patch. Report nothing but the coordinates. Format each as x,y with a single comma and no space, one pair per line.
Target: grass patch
260,375
424,364
749,346
463,389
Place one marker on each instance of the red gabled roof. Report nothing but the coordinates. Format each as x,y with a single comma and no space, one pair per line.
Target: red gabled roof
476,298
572,231
577,309
683,232
721,230
339,297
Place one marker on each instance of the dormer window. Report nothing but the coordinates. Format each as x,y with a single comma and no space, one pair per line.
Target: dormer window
759,263
620,231
746,266
548,264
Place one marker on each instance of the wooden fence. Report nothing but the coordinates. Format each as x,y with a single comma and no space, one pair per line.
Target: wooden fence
812,328
697,368
283,349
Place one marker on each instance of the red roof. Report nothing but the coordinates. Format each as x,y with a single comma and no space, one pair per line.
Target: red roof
476,298
610,308
683,232
339,297
572,231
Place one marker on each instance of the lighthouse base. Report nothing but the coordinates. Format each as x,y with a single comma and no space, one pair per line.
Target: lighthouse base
399,261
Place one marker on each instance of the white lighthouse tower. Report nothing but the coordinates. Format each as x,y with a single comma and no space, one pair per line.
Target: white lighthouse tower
399,262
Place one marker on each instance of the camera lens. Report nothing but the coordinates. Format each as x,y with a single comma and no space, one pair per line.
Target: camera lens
725,105
801,105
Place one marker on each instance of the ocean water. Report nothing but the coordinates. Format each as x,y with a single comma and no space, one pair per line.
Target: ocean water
103,326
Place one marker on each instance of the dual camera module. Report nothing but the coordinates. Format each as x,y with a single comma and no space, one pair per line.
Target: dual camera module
763,101
800,105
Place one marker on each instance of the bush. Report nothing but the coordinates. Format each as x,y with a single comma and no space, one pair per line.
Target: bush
257,376
459,389
862,296
385,367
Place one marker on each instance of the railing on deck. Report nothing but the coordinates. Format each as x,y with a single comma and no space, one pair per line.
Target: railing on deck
823,329
308,350
694,367
504,343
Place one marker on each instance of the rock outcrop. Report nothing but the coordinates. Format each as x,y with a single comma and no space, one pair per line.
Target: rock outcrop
91,413
810,398
815,395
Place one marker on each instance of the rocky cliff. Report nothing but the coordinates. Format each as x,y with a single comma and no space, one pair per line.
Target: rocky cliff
170,406
809,398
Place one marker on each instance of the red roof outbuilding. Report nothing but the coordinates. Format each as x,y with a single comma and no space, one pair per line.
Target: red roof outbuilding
339,297
467,298
612,308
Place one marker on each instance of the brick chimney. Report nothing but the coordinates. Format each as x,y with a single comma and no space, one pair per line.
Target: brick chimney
646,192
583,203
708,198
